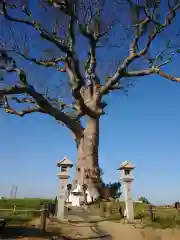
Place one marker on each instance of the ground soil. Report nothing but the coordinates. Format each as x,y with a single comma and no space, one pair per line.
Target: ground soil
129,232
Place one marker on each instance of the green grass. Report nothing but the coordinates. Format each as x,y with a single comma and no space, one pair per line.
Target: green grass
163,217
22,203
31,204
19,219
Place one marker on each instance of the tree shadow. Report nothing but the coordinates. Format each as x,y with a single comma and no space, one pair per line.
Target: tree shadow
26,231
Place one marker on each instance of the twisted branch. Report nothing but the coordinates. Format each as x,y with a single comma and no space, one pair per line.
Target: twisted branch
43,104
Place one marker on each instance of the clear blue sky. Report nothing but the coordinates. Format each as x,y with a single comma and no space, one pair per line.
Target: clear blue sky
142,127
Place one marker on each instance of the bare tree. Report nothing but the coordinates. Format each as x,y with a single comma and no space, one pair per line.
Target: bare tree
73,28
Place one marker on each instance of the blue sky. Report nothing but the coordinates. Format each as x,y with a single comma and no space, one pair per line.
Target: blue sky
142,127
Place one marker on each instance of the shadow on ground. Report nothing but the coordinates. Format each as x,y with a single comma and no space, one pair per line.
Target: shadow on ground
15,232
26,231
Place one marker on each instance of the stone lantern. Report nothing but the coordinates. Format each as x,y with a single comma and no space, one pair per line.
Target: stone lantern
63,176
127,178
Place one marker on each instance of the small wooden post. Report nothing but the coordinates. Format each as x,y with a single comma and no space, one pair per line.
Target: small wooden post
14,209
43,218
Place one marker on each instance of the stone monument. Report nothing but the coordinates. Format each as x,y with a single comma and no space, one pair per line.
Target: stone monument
127,178
63,176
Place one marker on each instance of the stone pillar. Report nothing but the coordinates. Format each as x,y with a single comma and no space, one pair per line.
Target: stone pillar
127,178
61,198
128,201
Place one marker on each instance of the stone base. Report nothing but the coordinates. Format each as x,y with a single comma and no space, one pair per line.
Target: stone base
126,221
60,209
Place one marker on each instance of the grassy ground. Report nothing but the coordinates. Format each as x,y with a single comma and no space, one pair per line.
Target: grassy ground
162,217
31,204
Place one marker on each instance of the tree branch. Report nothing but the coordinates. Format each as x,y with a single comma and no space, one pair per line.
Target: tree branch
150,71
71,62
93,38
53,38
41,101
73,113
22,113
122,69
43,32
167,76
23,100
13,90
72,38
45,63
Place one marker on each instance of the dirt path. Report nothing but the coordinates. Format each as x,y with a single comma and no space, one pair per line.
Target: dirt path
129,232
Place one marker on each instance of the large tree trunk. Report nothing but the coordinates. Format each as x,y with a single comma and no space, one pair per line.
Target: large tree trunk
87,168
